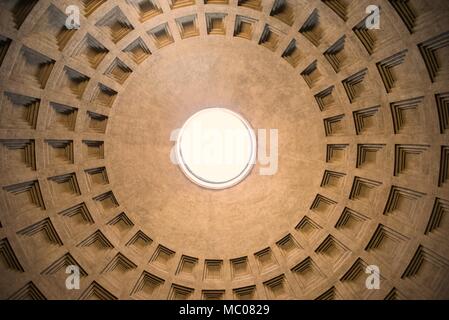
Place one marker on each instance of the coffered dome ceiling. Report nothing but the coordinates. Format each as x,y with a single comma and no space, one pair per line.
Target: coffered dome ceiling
86,178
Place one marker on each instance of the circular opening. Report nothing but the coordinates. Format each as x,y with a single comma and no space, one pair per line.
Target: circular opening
216,148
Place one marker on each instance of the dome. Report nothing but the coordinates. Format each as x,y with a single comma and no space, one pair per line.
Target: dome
345,114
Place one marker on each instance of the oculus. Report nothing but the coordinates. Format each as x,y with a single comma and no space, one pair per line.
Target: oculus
216,148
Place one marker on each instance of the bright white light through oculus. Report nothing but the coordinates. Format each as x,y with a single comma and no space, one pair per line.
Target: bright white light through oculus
216,148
